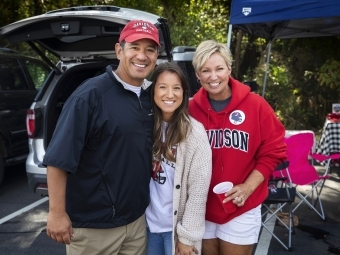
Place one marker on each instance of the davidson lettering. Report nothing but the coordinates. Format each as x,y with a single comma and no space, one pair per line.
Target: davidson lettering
142,24
236,139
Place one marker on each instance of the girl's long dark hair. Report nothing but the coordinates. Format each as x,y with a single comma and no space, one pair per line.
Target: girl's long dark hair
179,124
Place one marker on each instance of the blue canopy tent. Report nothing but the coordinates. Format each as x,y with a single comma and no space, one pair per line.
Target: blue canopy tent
285,19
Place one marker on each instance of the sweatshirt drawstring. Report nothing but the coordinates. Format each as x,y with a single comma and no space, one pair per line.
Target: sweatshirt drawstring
208,118
208,128
220,151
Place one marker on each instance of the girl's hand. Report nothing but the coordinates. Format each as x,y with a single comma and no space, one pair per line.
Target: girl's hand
182,249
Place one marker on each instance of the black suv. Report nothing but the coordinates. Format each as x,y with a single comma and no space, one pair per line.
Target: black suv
20,79
83,38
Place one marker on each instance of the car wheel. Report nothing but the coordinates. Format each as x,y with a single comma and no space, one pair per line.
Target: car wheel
2,169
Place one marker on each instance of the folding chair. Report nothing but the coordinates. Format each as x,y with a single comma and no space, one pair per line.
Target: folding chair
299,148
282,194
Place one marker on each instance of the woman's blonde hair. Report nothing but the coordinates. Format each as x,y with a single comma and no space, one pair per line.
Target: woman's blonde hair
205,49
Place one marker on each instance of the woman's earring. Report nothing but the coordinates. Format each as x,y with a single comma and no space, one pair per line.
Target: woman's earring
199,81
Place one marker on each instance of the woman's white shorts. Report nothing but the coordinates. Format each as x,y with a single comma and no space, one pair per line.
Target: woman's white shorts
242,230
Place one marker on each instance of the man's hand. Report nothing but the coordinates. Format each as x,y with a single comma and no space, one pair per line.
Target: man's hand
182,249
59,227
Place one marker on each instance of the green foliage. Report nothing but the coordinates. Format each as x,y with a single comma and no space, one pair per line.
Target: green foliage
303,76
190,21
9,11
303,80
329,74
201,20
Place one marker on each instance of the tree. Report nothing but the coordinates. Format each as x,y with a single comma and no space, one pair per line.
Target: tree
303,80
304,74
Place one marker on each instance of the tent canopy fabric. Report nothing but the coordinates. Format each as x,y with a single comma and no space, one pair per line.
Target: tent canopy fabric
286,19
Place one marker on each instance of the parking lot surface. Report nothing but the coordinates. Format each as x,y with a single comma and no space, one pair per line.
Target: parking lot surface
25,233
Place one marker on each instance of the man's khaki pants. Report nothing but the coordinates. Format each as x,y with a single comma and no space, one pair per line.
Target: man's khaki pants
126,240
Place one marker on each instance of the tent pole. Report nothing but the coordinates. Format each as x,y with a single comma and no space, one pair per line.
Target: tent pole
267,67
229,35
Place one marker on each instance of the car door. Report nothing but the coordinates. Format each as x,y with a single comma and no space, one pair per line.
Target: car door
16,96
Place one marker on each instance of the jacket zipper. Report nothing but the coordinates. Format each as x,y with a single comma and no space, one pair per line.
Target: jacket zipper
108,192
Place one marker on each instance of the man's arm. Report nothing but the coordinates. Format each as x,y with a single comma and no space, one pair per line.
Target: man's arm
59,226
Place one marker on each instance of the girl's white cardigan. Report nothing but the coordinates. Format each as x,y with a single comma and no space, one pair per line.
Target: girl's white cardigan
191,184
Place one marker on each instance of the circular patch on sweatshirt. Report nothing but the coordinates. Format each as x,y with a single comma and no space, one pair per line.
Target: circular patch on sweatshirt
237,117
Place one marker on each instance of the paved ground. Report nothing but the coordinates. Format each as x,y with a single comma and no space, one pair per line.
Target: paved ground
25,234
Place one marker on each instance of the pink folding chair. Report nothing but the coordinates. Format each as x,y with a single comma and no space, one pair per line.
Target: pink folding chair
302,172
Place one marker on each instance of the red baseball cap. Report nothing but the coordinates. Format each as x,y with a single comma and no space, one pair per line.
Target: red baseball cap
139,29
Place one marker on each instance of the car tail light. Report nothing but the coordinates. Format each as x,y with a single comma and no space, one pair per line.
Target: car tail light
30,123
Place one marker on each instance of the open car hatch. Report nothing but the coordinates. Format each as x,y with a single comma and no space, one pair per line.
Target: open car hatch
85,32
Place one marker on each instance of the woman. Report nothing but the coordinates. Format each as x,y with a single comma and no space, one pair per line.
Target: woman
182,168
246,139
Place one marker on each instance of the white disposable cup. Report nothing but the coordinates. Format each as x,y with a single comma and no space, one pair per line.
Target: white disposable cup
223,187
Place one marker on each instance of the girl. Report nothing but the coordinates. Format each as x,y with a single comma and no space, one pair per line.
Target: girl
182,168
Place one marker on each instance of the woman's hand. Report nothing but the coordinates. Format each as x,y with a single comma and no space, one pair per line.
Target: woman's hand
182,249
240,193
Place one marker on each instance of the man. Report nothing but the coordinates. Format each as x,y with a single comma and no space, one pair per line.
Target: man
99,159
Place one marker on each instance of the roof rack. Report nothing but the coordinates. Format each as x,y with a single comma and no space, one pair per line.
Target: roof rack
6,50
88,8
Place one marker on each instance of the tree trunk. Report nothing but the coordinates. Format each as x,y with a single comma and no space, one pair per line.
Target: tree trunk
237,54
